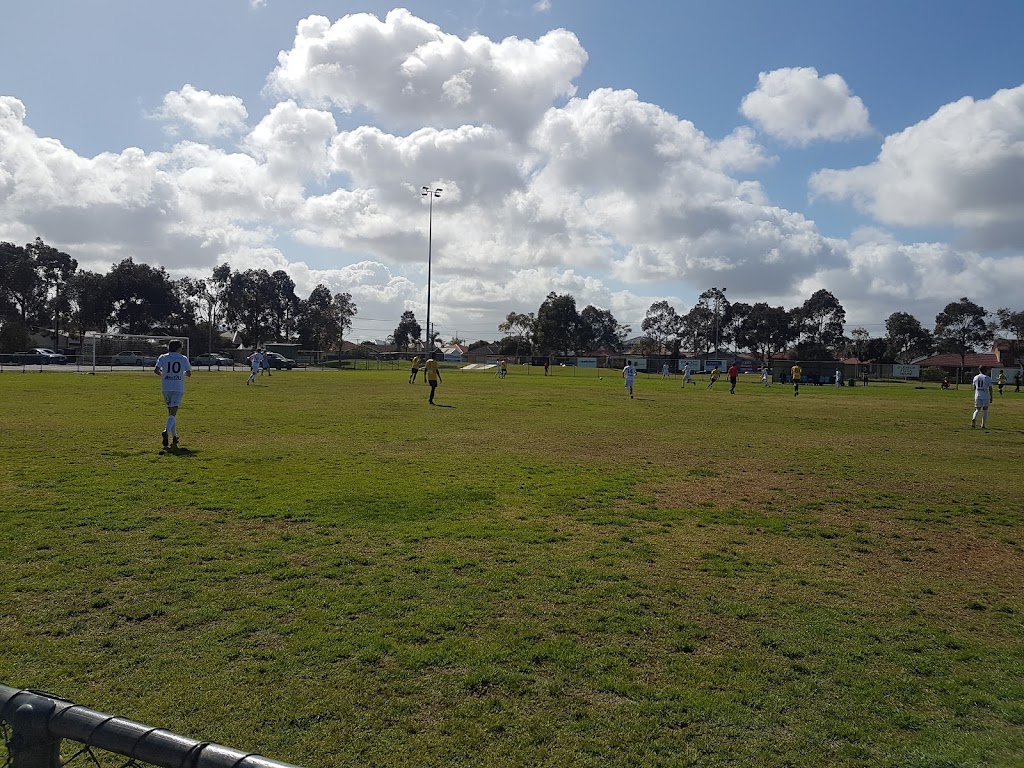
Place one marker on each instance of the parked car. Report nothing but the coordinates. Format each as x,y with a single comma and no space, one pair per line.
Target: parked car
213,358
42,356
274,360
133,358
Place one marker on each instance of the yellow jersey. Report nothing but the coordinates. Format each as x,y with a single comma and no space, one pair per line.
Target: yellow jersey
416,362
430,370
797,372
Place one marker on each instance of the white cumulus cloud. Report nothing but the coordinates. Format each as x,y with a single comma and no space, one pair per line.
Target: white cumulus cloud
798,106
207,115
963,166
606,196
408,70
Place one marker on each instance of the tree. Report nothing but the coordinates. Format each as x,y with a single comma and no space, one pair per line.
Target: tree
960,328
20,284
821,320
717,312
738,312
89,297
1013,322
142,297
317,319
557,329
54,268
14,336
645,346
599,328
856,344
246,304
663,326
906,338
765,331
407,332
519,328
344,310
697,329
283,304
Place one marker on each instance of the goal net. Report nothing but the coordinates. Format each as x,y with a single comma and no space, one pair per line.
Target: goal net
125,349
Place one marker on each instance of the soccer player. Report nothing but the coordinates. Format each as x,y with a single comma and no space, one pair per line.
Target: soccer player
172,367
797,372
264,361
415,369
255,363
766,376
432,375
839,377
503,368
715,373
982,385
733,374
664,370
629,373
1001,382
687,376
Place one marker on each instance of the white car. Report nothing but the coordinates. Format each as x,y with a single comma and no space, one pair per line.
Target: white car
133,358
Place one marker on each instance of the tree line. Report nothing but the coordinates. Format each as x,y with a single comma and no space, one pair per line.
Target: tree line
42,287
812,331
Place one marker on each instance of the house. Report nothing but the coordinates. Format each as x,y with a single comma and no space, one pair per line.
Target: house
951,362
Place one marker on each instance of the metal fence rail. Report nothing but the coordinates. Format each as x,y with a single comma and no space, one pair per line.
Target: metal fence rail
35,724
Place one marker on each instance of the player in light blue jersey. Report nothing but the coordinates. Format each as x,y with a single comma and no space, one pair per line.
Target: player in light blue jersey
172,367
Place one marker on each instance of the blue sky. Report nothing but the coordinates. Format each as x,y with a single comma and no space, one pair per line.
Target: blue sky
897,198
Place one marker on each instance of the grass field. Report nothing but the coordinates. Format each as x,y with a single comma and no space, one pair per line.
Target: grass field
544,573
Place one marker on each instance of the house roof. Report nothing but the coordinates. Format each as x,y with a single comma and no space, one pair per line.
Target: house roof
950,360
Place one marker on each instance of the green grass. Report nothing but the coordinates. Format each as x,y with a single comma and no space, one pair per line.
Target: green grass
546,573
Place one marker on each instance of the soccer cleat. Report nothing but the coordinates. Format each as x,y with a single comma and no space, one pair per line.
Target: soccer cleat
164,436
175,441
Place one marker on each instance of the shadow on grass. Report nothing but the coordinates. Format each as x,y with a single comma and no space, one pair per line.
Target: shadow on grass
178,451
439,405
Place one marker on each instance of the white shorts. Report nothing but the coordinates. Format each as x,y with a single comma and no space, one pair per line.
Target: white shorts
173,398
981,399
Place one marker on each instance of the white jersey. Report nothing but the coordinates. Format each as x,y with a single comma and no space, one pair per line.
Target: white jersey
630,372
173,367
982,383
686,372
256,361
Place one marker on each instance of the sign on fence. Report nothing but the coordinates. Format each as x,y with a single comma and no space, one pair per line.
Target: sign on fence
586,362
906,371
695,364
640,363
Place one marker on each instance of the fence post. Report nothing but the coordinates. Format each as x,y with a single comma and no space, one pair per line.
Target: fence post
31,744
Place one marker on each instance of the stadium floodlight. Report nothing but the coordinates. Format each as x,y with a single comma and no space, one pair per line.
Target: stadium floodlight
430,193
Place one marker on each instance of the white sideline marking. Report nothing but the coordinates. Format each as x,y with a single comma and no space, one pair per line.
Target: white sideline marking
479,366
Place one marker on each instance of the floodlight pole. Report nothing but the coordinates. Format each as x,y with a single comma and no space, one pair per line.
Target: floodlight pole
430,193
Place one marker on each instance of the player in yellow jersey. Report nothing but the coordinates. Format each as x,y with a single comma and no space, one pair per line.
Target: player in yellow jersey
415,369
715,373
797,372
432,375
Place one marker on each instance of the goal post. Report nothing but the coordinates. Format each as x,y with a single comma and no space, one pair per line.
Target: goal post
126,350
